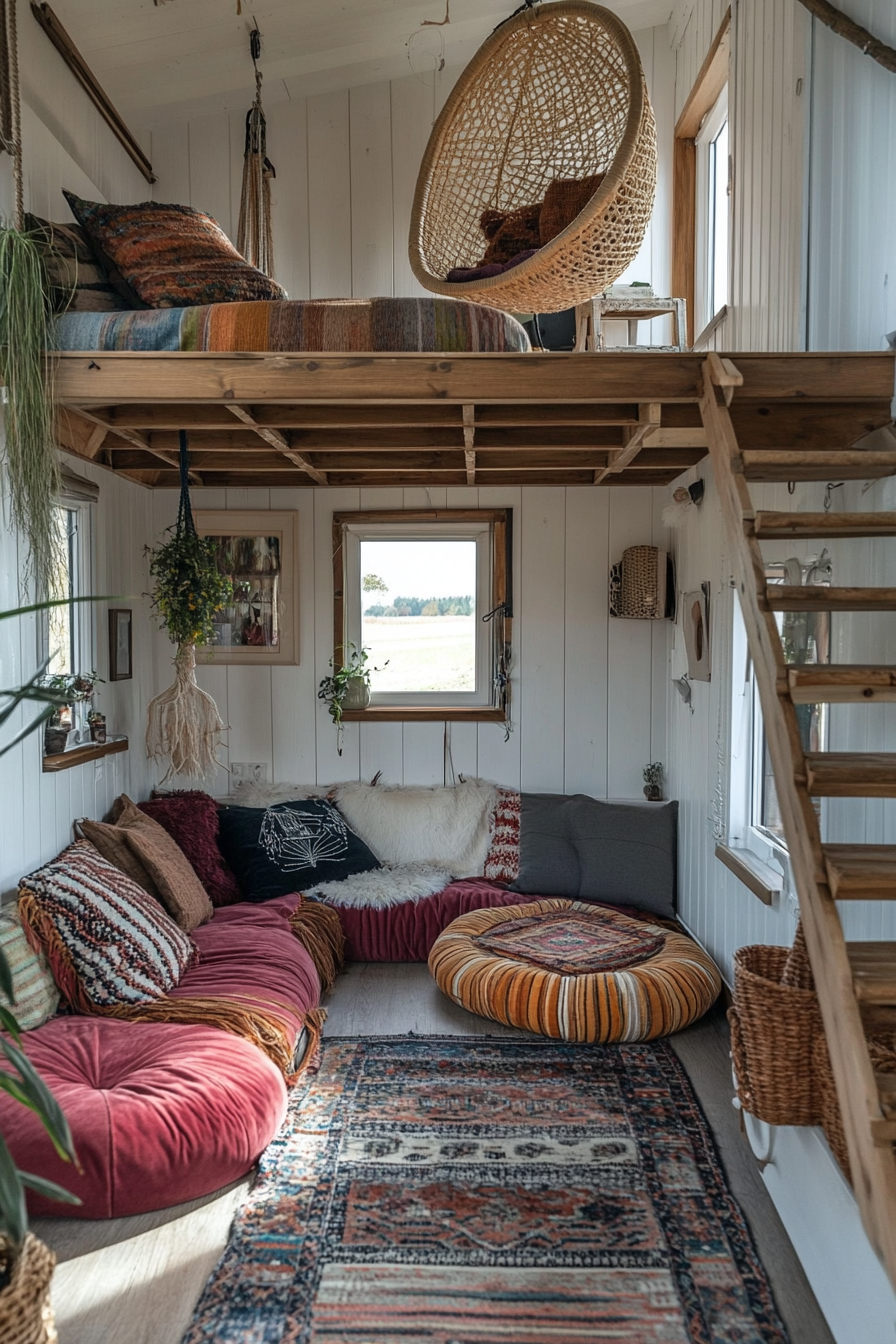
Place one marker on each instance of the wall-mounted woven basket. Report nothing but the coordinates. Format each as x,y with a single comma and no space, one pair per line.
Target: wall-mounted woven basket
642,586
556,92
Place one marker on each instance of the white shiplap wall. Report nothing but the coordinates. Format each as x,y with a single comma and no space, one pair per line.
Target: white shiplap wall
589,693
67,145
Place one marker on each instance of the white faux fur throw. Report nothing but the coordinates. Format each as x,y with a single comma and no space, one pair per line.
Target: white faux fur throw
391,885
446,827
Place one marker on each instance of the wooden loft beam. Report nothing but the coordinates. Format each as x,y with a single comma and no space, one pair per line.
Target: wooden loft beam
649,417
91,85
278,441
138,440
469,441
470,419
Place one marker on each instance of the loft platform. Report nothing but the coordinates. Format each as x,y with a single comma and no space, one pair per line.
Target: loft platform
284,420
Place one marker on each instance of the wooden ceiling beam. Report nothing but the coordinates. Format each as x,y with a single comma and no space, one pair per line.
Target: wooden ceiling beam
138,440
650,415
278,441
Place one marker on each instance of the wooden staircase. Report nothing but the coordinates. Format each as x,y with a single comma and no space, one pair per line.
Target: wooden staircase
856,983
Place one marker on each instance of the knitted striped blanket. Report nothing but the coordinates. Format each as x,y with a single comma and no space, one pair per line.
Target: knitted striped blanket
320,325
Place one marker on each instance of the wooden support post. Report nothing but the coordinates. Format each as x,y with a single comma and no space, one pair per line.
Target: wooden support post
469,441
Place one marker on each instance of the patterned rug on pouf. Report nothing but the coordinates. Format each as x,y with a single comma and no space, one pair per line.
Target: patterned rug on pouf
461,1190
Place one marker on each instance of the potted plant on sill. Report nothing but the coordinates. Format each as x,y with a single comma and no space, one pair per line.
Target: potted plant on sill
348,687
68,689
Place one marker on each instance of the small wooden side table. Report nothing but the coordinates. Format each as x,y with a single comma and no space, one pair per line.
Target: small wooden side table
591,315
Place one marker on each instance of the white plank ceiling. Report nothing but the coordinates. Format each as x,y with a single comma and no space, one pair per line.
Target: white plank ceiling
185,57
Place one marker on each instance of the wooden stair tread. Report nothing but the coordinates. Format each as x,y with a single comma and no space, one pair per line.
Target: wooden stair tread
846,774
809,597
769,525
873,967
805,465
861,872
844,683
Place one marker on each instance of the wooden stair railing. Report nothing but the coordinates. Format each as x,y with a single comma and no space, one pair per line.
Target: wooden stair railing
856,983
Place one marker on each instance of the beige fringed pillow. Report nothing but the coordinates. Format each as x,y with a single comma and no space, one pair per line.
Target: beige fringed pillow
138,845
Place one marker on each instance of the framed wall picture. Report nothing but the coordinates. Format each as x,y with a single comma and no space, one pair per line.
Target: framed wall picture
121,649
257,550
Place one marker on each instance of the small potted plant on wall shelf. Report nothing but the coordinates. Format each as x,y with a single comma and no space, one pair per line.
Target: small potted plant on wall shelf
653,782
348,687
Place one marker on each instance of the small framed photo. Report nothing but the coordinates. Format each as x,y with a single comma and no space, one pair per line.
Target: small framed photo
257,550
121,659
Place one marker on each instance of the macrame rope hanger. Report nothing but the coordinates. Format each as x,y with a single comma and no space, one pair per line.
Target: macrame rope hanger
254,235
11,112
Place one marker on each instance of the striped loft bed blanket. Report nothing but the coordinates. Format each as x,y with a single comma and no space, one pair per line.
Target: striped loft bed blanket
340,326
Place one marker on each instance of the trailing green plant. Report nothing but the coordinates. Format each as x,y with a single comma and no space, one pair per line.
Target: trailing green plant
333,689
189,587
30,454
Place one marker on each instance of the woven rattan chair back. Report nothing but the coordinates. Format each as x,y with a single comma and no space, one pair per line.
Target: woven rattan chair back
555,92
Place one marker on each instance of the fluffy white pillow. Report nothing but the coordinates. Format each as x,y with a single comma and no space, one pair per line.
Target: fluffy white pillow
447,827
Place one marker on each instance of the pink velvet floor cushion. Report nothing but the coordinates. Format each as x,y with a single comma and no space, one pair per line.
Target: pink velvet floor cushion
249,955
160,1113
407,932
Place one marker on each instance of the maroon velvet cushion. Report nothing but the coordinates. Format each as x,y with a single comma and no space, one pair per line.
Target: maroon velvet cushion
407,932
250,955
191,819
160,1113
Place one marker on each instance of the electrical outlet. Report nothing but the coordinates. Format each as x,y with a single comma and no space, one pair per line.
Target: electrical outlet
257,772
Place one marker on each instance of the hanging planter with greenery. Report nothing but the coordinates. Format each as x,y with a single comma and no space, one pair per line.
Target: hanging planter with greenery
348,687
183,723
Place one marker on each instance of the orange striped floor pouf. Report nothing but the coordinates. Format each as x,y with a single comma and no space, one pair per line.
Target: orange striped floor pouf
533,966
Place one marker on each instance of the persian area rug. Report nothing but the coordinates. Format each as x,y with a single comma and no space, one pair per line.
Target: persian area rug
469,1190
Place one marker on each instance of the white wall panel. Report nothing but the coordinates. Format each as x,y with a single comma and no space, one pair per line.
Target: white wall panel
330,195
370,125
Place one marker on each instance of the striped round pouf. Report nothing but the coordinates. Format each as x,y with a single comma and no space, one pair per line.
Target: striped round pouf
532,966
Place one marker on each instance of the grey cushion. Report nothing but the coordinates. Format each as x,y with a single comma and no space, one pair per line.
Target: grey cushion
588,850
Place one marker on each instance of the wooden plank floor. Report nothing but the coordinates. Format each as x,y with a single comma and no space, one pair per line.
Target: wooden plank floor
136,1280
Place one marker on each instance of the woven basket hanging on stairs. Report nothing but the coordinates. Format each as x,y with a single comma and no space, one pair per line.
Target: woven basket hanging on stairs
557,92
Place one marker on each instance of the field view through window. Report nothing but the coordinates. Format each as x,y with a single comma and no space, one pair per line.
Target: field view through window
418,615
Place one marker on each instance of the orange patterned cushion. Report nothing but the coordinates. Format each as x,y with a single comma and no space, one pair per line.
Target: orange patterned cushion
171,255
660,995
574,942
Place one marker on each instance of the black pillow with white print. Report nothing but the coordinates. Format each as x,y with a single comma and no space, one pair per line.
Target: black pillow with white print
290,847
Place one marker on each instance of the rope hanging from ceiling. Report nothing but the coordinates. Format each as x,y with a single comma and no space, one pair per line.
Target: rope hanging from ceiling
10,106
255,236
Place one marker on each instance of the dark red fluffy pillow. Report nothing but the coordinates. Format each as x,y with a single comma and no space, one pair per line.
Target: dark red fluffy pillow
191,819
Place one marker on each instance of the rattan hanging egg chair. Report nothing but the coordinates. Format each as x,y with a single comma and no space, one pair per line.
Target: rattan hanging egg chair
555,93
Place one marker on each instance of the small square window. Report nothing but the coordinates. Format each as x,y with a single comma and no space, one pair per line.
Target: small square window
427,595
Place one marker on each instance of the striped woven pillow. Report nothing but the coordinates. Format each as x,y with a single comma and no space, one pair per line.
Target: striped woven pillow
35,996
107,941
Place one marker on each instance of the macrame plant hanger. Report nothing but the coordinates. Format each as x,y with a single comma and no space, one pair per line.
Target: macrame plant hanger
254,237
183,725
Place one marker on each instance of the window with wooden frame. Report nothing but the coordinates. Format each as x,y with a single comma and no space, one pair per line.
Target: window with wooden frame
428,594
696,193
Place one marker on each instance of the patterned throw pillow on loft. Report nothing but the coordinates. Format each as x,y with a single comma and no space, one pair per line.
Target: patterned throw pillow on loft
172,256
107,941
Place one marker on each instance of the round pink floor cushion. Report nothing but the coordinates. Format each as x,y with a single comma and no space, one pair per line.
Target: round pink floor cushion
160,1113
407,932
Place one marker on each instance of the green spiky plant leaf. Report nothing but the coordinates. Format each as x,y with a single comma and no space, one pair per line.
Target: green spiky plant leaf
30,453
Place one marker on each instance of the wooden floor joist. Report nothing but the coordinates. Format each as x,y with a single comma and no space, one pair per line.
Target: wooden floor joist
455,420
